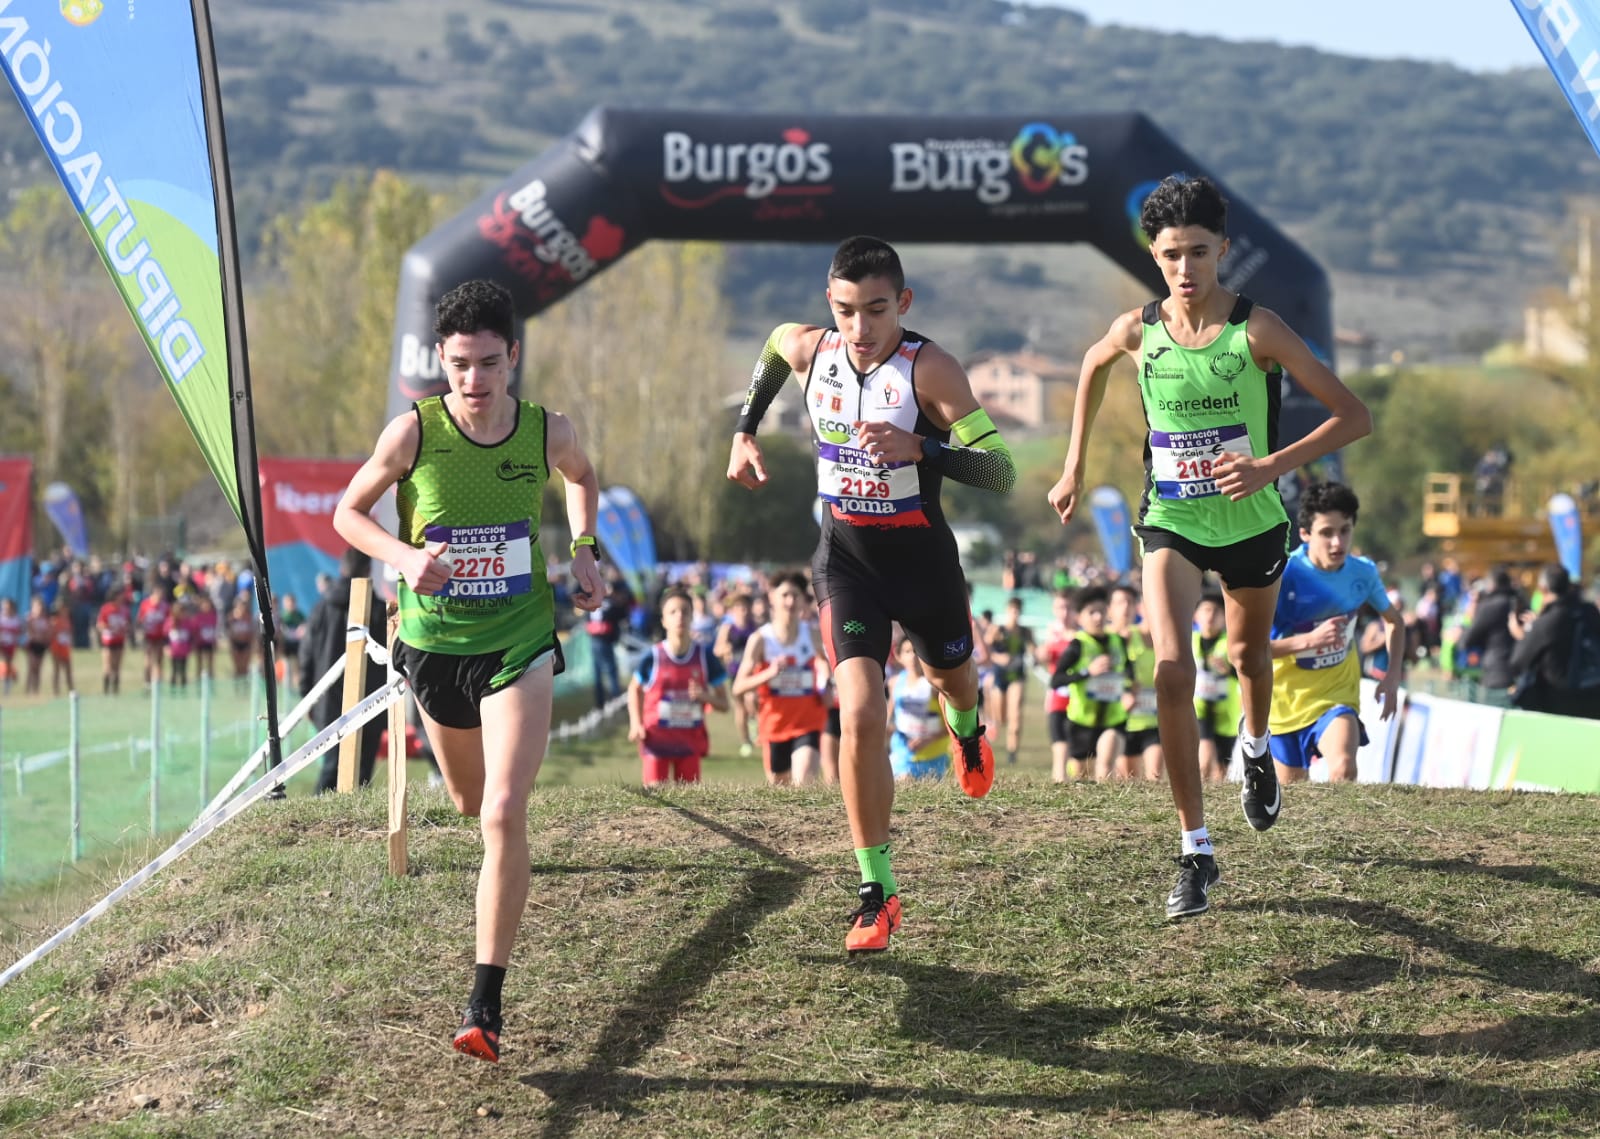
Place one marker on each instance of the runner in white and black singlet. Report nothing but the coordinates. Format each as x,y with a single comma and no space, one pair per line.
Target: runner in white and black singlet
892,414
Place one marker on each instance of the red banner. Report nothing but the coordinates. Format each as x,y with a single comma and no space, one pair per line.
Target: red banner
297,501
16,508
298,497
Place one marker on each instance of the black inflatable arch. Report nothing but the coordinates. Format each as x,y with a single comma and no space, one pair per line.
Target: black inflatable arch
624,177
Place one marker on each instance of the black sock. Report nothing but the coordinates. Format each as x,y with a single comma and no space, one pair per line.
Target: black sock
486,982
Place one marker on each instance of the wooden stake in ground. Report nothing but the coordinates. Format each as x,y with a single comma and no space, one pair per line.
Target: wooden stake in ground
355,671
397,766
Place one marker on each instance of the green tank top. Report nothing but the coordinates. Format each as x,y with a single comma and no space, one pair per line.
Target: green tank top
1199,403
485,501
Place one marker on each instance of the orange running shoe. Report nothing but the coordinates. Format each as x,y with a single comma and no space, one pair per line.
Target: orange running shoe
873,920
973,759
479,1034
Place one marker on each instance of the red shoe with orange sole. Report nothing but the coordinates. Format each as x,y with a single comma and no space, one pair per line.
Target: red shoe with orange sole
973,760
873,920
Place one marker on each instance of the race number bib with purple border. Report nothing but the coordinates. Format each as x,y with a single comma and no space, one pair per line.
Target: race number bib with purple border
490,561
1182,462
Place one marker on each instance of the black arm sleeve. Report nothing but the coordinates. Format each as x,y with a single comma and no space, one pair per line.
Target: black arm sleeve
1537,641
771,372
986,470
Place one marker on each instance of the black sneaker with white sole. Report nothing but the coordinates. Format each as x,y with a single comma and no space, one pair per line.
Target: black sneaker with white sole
1261,796
1197,873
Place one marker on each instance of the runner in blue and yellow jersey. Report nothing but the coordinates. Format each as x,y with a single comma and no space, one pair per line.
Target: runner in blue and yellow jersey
1316,696
1210,375
477,615
892,416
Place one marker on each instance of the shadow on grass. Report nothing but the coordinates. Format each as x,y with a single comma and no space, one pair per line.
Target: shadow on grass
975,1012
639,1021
1533,970
978,1012
553,868
1529,874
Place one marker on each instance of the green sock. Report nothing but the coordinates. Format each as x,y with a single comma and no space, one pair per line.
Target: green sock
963,723
874,862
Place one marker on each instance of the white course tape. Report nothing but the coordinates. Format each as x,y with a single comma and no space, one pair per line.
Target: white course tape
321,742
290,722
377,652
285,726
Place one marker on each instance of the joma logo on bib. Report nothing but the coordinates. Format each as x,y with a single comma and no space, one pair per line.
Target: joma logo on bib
866,506
491,588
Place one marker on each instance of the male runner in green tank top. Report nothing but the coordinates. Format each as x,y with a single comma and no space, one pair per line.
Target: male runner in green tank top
477,616
1211,367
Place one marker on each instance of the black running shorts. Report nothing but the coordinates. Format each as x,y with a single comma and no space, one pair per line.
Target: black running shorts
1135,742
449,688
858,605
779,754
1254,563
1083,741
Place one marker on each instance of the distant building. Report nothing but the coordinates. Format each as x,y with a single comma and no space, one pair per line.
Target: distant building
1547,330
1021,388
1357,351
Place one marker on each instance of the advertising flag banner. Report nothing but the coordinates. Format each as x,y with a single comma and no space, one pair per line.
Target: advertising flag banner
611,528
120,106
636,524
1567,527
1110,512
1568,35
66,513
16,528
126,103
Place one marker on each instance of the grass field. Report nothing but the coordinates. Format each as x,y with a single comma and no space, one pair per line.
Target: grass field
115,733
1388,961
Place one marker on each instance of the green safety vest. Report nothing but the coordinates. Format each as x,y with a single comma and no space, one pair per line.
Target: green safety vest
1224,712
1143,656
1084,709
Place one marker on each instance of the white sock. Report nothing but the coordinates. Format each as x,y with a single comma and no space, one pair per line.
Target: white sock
1256,745
1196,842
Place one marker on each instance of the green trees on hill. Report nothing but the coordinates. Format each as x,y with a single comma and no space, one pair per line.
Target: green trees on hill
1389,165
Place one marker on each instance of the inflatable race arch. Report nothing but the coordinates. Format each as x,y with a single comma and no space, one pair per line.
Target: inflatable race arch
624,177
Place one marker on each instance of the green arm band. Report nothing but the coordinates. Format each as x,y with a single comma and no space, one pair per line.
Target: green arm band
978,457
772,371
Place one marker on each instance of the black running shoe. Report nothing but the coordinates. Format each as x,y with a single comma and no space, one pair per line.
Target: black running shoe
1197,873
479,1034
1261,796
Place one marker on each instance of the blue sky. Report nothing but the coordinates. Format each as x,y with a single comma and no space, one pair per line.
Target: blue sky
1480,35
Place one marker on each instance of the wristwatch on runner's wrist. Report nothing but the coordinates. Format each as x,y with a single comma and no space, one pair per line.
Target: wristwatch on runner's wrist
585,540
932,449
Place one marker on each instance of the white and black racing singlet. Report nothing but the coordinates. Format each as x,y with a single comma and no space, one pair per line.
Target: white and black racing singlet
877,507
